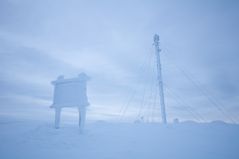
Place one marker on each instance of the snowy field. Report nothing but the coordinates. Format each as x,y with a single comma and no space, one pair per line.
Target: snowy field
25,139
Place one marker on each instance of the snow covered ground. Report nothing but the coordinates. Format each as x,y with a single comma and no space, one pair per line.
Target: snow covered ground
25,139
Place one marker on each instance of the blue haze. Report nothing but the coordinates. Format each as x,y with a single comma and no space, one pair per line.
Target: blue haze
110,40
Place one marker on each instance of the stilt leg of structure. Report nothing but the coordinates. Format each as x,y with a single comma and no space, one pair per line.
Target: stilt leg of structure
82,115
57,117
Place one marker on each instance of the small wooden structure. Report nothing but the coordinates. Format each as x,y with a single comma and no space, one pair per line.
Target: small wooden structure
70,93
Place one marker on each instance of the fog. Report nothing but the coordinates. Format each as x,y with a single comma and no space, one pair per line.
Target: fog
112,42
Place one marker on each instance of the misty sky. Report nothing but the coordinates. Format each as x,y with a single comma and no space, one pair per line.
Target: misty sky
112,42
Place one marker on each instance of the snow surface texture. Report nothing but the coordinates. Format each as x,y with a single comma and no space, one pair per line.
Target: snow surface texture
25,139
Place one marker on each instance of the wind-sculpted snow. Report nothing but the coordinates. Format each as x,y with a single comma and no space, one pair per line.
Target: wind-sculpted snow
23,139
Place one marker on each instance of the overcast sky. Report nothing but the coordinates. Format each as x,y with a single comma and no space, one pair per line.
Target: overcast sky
111,41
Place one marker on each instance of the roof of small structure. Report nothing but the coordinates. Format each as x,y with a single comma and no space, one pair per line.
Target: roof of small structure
61,79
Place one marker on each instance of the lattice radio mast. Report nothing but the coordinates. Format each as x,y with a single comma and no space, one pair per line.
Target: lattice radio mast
160,79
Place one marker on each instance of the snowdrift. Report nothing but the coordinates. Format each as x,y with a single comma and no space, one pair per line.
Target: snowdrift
25,139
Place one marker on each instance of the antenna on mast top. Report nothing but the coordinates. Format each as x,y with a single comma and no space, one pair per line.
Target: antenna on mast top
156,38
